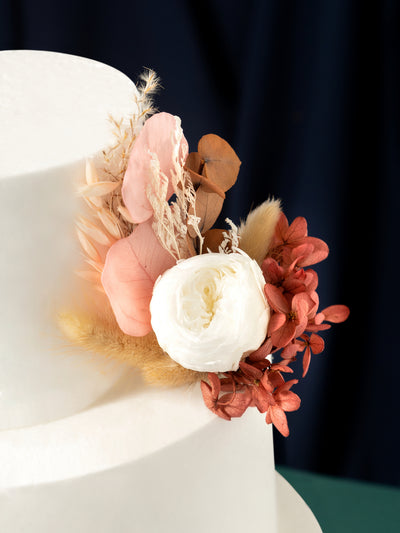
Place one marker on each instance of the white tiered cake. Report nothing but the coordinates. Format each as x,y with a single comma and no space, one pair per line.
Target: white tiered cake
85,445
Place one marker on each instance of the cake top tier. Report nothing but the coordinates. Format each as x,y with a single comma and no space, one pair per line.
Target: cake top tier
46,118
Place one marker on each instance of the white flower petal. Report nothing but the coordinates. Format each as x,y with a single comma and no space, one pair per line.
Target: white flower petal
210,311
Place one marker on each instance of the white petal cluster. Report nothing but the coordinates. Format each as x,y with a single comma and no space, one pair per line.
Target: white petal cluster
209,311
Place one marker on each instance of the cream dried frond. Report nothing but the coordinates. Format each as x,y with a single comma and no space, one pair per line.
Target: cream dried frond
231,239
107,217
171,218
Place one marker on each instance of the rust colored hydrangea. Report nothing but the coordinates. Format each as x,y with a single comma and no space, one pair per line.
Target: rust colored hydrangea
291,291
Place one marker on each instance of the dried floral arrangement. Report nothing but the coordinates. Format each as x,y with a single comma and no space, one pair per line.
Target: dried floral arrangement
186,302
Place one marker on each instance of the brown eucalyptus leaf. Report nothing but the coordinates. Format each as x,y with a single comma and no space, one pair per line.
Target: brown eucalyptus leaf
212,240
208,208
206,184
194,163
190,243
221,164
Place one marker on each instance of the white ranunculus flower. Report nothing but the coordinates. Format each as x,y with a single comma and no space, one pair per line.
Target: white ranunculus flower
210,311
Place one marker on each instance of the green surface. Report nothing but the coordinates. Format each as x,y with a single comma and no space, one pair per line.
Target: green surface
343,505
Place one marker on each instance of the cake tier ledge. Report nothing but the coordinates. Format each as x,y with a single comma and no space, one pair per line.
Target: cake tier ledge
142,460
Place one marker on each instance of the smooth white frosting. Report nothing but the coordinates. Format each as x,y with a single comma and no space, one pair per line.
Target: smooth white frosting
54,112
54,109
103,452
148,461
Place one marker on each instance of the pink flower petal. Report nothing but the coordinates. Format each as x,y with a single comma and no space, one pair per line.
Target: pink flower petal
276,299
300,304
288,401
317,343
250,371
273,273
262,352
132,266
306,361
278,418
275,379
236,404
281,229
215,383
158,136
275,322
297,230
319,253
284,335
336,313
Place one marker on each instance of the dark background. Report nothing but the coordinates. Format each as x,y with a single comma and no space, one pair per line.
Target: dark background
308,95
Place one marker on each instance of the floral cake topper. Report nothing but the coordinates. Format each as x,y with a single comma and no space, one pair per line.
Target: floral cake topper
182,300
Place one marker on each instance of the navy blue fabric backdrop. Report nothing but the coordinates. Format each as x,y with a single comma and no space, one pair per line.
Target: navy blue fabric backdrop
308,95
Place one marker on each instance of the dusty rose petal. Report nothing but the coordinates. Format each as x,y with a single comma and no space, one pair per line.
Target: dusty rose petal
284,335
275,379
306,361
336,313
317,343
289,401
276,299
236,403
250,370
208,396
262,352
278,418
318,327
276,321
132,266
319,253
215,383
262,398
273,272
297,230
281,229
158,136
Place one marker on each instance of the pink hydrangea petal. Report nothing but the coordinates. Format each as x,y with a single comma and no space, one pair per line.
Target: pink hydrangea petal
276,299
297,230
158,136
275,322
284,335
132,266
319,253
336,313
278,417
317,343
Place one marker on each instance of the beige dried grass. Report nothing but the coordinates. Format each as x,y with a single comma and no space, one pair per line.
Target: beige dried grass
107,218
171,219
101,334
256,232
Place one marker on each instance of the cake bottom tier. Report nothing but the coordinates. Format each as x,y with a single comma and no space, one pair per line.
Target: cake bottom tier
143,460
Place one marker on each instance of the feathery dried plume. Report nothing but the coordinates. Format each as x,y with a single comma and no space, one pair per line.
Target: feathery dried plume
148,86
171,218
231,239
109,219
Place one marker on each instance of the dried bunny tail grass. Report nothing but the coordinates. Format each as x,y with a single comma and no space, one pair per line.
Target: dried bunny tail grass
168,373
171,219
100,334
257,231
